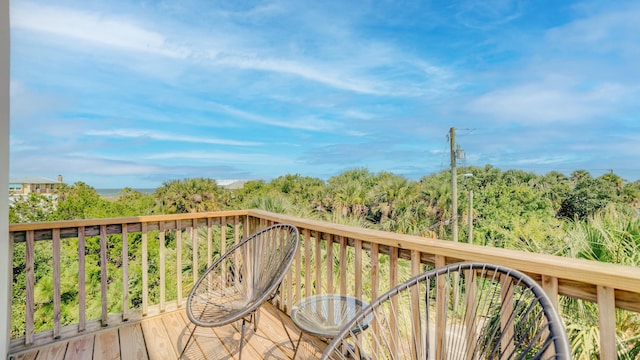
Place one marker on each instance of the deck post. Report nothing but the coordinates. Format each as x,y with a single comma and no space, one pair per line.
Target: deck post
5,274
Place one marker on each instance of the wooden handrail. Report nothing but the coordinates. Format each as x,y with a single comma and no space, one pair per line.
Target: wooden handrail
365,264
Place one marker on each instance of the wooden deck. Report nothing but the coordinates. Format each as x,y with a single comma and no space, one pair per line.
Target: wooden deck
163,337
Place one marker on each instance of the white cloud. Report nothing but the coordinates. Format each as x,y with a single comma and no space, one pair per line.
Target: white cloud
317,125
222,157
157,135
92,27
545,102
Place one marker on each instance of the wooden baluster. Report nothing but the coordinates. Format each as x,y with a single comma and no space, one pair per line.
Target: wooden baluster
550,286
318,263
343,265
471,318
288,282
162,234
417,349
179,262
82,280
358,268
145,270
298,273
194,252
30,283
307,262
607,318
329,262
209,242
56,283
103,274
393,281
375,290
441,310
506,311
125,272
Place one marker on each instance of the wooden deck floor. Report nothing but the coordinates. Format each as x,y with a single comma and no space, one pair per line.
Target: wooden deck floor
163,337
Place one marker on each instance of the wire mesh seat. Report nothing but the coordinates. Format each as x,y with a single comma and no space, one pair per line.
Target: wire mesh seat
242,279
460,311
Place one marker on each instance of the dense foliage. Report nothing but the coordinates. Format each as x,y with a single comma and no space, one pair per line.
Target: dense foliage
576,216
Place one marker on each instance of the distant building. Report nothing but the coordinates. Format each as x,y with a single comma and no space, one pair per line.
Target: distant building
34,184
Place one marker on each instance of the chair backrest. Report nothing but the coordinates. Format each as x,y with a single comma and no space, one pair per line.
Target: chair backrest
460,311
244,277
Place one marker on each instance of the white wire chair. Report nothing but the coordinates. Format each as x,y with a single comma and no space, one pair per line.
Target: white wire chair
460,311
242,279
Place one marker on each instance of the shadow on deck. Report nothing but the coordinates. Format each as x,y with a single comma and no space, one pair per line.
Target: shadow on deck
163,337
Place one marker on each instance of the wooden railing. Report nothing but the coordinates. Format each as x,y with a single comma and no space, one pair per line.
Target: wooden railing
331,259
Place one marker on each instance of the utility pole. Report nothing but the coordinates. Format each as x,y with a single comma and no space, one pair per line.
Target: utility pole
470,216
454,186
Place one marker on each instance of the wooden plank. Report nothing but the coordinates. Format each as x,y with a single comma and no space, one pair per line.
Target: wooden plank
318,262
106,345
103,274
206,342
145,270
223,235
298,272
80,348
358,268
266,339
53,352
209,243
506,314
125,273
288,282
82,280
310,348
179,334
133,221
441,310
159,345
416,330
56,283
607,317
179,261
550,286
132,345
375,272
194,253
30,283
393,281
307,262
343,266
31,355
329,262
231,338
163,263
590,272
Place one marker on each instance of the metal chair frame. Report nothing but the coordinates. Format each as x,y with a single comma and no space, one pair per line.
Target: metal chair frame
460,311
243,278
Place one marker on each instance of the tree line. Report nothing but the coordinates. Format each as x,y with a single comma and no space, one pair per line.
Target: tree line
582,216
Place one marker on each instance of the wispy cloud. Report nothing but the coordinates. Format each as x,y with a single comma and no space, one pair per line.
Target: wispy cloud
162,136
145,92
92,27
224,157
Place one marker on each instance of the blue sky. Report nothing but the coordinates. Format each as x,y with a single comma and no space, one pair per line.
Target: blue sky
134,93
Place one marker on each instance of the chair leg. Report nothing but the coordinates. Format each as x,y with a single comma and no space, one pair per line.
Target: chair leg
297,345
285,328
188,341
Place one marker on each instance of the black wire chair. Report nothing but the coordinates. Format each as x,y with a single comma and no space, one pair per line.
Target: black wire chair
460,311
242,279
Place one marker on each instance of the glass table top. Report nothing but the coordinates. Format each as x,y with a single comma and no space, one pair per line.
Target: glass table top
325,315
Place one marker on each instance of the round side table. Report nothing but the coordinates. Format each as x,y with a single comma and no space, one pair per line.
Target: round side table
325,315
